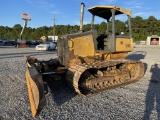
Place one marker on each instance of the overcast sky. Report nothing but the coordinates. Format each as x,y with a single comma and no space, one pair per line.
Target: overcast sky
67,11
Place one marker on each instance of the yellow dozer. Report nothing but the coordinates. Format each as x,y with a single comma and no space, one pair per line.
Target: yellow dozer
87,62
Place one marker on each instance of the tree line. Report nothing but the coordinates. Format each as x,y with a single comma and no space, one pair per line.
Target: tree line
141,28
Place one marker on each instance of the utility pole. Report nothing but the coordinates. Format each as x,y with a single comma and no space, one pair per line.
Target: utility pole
54,28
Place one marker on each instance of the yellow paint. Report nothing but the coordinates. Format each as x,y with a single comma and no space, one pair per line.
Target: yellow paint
70,44
125,11
83,46
32,100
114,56
124,44
118,55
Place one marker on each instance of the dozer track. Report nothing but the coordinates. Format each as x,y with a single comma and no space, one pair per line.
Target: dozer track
94,77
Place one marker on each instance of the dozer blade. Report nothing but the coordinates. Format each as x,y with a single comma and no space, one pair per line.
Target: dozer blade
35,89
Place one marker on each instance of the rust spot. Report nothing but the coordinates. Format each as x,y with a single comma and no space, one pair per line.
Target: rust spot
121,42
71,54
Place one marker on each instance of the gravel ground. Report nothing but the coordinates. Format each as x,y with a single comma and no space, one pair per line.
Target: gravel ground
136,101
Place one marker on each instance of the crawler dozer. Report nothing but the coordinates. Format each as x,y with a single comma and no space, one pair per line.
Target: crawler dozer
88,62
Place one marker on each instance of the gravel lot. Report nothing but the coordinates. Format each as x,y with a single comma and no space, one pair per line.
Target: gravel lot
137,101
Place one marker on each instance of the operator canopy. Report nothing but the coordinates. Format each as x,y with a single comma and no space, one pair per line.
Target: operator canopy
105,11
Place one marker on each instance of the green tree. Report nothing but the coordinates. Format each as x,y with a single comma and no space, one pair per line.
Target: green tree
102,28
141,28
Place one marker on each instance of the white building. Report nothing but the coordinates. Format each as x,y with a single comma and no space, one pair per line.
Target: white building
153,40
52,38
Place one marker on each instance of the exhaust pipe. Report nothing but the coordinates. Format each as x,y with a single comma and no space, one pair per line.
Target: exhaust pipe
82,16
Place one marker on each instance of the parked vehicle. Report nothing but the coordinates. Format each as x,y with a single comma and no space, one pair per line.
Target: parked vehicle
1,43
34,43
46,46
4,42
28,42
12,43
